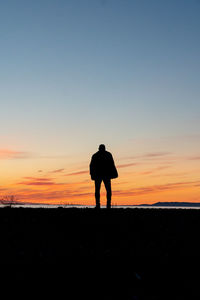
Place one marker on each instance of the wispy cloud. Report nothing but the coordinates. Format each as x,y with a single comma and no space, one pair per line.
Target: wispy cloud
57,171
154,170
54,195
52,156
156,154
150,155
2,189
37,181
195,157
126,165
158,188
78,173
12,154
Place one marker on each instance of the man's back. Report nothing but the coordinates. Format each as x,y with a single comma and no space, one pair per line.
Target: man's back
102,165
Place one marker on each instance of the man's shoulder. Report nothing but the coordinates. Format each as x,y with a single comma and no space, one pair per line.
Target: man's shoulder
108,154
95,154
98,154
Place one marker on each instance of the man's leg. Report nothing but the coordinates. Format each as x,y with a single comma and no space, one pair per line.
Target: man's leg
107,183
97,192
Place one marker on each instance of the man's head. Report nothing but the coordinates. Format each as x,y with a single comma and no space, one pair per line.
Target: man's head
102,148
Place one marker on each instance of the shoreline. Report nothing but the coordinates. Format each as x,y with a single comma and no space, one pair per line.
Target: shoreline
69,206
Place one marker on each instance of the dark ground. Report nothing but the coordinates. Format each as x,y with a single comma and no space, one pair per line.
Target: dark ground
116,254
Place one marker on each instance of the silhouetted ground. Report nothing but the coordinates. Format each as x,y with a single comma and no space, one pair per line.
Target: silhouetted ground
116,254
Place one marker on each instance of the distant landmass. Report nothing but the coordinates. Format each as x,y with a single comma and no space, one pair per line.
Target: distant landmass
175,204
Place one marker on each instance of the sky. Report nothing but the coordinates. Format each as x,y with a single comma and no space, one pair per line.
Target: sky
78,73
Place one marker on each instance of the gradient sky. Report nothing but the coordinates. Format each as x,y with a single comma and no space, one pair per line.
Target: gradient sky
77,73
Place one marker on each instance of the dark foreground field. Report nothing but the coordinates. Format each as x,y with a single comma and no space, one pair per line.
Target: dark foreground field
121,253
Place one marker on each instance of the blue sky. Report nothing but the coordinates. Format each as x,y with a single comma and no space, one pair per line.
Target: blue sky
76,73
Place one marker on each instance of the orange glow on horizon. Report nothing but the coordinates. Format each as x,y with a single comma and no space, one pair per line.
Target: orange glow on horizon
145,179
81,191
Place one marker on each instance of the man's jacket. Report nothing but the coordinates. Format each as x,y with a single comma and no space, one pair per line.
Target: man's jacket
102,166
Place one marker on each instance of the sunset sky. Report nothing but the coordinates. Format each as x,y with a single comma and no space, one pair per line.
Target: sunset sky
78,73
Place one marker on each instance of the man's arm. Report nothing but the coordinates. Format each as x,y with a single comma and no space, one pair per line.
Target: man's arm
111,158
92,168
114,173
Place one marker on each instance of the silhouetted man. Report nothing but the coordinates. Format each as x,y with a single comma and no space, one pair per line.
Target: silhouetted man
102,168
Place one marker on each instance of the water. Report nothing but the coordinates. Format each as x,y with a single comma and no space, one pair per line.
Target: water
103,206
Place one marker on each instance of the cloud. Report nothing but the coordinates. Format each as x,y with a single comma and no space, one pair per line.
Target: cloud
158,188
52,156
2,189
78,173
52,196
65,194
38,178
146,173
197,157
150,155
57,171
154,170
37,181
126,165
11,154
156,154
